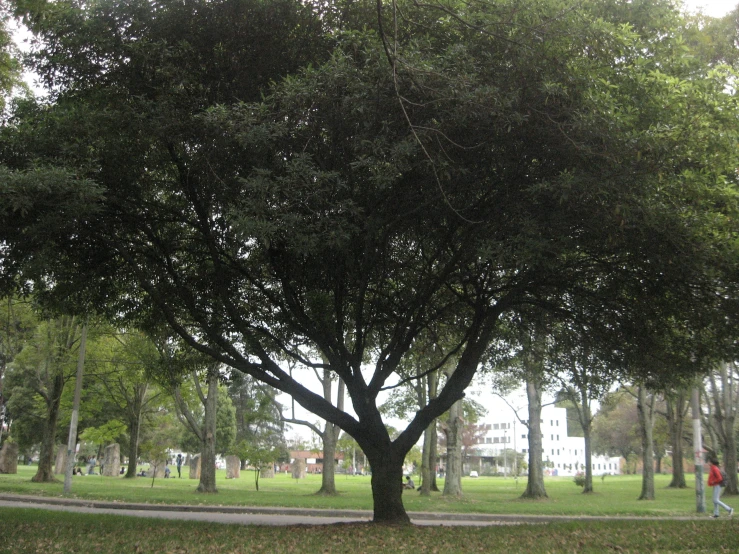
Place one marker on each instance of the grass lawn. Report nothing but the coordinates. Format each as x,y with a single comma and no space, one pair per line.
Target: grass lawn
616,495
33,531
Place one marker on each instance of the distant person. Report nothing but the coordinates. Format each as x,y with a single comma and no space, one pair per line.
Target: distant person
123,470
179,466
91,465
409,484
166,472
716,480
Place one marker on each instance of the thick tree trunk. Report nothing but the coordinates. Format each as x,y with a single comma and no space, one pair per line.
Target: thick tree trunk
535,485
453,430
208,455
676,405
45,472
387,488
645,407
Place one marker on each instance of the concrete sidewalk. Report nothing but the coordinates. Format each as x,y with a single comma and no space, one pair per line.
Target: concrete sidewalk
258,515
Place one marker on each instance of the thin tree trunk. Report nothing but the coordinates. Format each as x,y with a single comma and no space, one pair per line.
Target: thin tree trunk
426,462
535,485
134,429
433,382
45,471
329,438
586,422
453,430
208,455
645,407
676,404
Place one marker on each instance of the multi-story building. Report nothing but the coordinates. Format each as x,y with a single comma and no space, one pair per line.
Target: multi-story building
503,436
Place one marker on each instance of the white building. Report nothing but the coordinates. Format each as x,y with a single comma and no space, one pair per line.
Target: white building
563,455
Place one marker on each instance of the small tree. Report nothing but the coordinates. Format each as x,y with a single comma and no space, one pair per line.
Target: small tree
258,457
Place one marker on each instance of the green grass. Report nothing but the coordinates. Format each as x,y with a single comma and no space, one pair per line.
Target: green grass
616,495
32,531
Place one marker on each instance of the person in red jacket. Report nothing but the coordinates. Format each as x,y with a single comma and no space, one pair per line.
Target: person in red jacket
716,481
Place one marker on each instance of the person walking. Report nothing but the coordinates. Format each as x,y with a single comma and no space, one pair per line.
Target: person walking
179,466
716,480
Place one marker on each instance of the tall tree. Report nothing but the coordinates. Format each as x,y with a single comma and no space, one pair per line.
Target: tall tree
515,158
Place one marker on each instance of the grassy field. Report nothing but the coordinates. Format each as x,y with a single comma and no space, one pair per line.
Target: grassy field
616,495
27,531
34,531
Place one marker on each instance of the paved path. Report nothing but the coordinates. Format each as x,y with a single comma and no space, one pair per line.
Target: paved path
246,515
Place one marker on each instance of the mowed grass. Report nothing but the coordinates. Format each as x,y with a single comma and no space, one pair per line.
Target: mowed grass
33,531
615,495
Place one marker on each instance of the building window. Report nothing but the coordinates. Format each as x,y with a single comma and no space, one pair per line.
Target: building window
557,451
496,440
552,437
524,450
496,426
551,423
488,440
557,437
552,451
557,422
523,436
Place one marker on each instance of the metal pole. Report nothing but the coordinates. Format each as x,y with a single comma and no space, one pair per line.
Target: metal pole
700,496
72,440
505,455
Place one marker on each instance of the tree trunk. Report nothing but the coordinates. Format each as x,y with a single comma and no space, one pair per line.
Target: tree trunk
134,431
535,485
45,472
676,404
645,407
434,446
586,421
725,413
387,487
329,437
426,462
433,457
208,455
588,460
328,474
453,430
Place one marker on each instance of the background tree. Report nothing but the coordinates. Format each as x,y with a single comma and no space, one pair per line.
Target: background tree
722,390
39,374
201,420
676,409
258,416
18,324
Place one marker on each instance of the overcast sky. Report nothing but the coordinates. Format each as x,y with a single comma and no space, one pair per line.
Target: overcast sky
714,8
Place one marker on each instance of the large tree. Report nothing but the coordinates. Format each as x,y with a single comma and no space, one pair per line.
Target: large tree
455,171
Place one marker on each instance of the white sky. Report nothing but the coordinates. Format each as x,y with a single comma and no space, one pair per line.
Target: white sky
714,8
